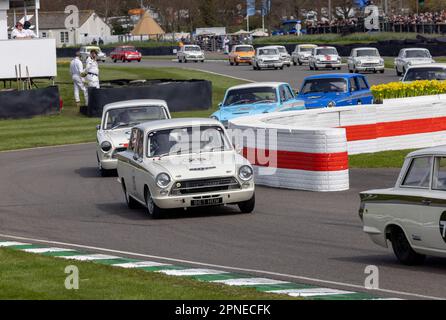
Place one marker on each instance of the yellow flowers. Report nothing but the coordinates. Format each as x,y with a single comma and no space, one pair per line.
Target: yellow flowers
403,90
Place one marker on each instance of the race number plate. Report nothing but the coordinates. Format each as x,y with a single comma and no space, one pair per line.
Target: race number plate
207,202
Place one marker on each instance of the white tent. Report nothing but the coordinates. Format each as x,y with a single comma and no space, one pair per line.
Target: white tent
25,5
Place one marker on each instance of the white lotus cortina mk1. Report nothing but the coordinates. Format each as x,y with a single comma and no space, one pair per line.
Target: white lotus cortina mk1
412,215
184,163
113,133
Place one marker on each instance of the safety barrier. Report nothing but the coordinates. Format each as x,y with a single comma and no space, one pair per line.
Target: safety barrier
313,145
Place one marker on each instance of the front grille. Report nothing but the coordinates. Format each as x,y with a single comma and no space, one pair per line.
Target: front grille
369,65
271,61
204,185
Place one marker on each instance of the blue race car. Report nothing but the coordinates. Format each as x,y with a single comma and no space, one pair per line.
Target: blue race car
257,98
335,90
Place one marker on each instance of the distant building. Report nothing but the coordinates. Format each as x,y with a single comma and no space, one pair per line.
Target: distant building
52,25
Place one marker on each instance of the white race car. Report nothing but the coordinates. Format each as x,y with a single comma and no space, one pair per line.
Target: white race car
184,163
365,59
189,53
113,133
410,57
325,57
284,55
267,57
411,215
302,53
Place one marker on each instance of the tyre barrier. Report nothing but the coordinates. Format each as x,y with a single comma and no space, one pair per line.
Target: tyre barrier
313,146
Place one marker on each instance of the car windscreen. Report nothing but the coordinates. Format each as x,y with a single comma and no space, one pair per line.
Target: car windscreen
129,49
192,48
303,49
129,117
326,51
417,54
425,74
244,49
268,52
187,140
250,95
282,50
367,53
324,86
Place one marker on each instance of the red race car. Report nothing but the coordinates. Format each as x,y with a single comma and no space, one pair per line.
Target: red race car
125,54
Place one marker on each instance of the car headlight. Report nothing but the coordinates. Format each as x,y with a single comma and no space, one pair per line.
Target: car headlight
106,146
331,104
163,180
358,63
245,173
214,118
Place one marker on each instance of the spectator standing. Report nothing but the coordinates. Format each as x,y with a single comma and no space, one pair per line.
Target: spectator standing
92,70
76,71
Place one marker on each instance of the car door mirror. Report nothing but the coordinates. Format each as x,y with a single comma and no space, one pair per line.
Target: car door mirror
220,105
175,51
98,127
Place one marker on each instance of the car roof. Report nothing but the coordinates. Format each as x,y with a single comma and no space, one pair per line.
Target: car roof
428,65
365,48
243,45
177,123
134,103
307,45
268,47
334,75
440,150
258,85
325,47
91,47
410,49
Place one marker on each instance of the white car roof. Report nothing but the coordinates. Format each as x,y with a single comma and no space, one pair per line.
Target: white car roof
258,85
178,123
428,65
365,48
135,103
325,47
268,47
412,49
435,151
307,45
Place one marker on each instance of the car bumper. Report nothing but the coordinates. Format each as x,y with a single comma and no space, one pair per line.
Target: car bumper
369,68
109,164
185,201
243,60
194,59
328,65
271,65
133,58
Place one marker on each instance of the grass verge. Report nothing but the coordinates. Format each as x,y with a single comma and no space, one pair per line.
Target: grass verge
35,277
385,159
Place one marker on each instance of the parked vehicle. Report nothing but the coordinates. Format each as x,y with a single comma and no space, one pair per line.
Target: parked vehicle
288,27
411,56
241,54
325,57
257,98
411,215
284,55
189,53
267,57
335,90
85,53
118,118
365,60
433,71
184,163
302,53
125,54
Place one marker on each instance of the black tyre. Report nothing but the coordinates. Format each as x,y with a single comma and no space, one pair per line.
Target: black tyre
248,206
114,60
231,63
153,210
397,72
131,203
382,71
300,63
402,249
294,62
103,172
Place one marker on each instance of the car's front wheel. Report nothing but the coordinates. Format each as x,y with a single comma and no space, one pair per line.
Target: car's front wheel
152,209
402,248
248,206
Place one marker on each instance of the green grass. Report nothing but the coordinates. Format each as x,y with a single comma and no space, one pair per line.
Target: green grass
36,277
385,159
70,127
337,38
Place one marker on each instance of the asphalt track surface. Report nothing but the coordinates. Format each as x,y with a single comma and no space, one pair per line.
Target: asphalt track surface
293,75
56,194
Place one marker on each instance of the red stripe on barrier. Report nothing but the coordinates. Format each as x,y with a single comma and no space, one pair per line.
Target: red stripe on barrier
395,128
297,160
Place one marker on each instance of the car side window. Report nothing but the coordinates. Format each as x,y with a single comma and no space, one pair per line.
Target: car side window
439,178
353,85
140,144
362,84
133,140
285,94
419,173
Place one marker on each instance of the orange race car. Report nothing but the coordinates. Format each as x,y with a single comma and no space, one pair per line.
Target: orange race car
241,54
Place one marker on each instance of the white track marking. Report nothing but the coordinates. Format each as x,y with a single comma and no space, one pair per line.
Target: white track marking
48,147
276,274
89,257
249,282
311,292
191,272
47,250
12,243
140,264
